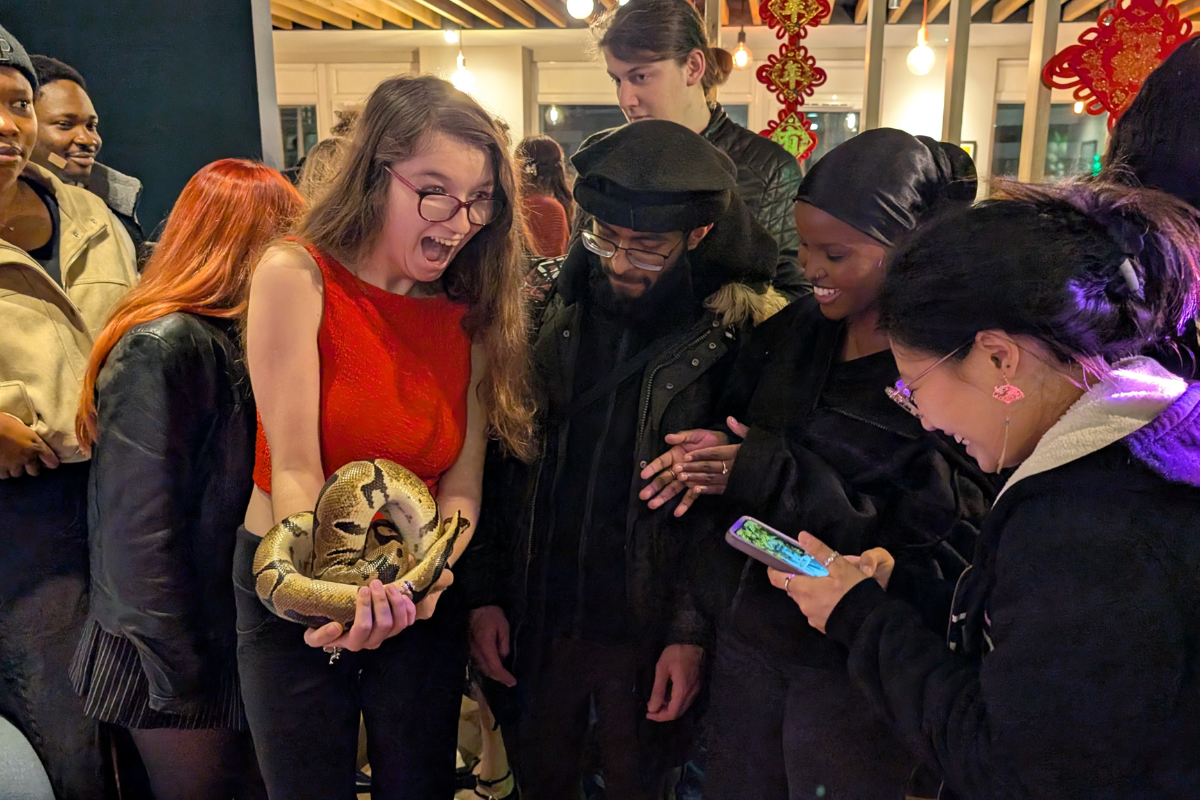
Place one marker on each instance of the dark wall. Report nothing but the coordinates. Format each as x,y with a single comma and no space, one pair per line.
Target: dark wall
172,80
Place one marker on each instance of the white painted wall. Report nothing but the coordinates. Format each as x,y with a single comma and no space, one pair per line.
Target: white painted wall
518,69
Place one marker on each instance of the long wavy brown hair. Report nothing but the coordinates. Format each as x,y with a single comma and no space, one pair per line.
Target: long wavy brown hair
224,218
488,273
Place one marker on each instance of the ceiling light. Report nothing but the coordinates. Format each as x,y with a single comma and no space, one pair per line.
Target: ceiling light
451,36
462,78
742,55
581,9
921,57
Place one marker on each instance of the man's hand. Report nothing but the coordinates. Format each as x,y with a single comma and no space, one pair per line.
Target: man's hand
489,643
22,452
380,613
678,666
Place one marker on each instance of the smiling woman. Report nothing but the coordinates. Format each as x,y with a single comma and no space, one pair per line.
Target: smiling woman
392,329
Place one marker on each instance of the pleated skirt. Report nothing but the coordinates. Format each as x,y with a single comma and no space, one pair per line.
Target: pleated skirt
107,674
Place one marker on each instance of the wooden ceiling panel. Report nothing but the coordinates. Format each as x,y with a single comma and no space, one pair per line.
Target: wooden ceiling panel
349,9
552,10
1077,8
293,16
385,10
456,14
897,13
860,11
420,13
484,10
937,7
517,10
1005,9
280,22
319,12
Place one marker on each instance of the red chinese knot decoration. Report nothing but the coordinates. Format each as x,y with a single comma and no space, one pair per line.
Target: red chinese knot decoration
1111,60
792,74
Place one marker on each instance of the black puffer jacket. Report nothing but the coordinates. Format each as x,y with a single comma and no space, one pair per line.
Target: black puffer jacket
170,480
768,179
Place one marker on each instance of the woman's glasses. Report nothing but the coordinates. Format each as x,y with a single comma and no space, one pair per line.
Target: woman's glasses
439,207
642,259
901,395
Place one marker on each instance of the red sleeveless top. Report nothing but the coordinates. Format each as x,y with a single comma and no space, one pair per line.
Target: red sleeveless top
395,371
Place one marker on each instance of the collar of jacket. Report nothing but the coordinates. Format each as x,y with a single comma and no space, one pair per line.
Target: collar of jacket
717,118
1139,400
78,223
119,191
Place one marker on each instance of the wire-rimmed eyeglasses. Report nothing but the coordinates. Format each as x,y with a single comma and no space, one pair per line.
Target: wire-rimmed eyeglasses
642,259
439,207
901,395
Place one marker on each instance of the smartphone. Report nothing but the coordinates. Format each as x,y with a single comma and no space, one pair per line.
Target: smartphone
762,542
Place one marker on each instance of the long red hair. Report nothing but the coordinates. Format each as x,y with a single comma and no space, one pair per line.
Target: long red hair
225,216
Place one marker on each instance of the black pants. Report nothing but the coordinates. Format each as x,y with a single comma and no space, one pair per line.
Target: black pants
548,743
43,605
795,734
304,711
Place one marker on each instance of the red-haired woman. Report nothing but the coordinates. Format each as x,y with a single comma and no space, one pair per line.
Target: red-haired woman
169,418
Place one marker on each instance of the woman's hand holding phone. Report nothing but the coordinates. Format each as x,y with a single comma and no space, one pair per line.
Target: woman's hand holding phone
817,597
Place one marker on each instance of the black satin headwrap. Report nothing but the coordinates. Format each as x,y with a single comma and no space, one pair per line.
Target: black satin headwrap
884,181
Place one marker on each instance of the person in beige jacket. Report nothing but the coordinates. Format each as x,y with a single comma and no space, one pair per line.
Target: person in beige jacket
64,262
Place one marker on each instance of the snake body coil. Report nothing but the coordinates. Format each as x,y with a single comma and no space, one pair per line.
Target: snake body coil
309,567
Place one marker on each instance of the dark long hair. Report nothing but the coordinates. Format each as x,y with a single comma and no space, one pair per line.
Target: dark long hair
1049,262
657,30
487,275
542,171
1155,141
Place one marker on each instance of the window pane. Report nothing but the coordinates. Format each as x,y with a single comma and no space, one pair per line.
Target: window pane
831,129
570,125
739,114
308,121
1074,142
290,123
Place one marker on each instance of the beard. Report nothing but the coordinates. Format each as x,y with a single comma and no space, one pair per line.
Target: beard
665,300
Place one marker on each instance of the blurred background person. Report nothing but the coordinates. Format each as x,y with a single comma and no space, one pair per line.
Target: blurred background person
64,262
167,414
69,142
320,165
545,195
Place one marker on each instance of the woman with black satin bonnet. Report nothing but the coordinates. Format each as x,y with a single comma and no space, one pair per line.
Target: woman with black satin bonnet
823,449
1067,668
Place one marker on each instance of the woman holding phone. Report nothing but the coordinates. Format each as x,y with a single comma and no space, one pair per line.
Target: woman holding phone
821,451
1070,670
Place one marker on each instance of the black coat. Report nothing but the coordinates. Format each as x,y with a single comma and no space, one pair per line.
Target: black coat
171,476
850,467
1074,672
768,180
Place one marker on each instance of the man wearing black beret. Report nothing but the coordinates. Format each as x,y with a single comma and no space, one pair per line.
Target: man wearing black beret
636,340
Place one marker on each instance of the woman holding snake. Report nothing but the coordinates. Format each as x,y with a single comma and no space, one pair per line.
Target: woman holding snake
392,329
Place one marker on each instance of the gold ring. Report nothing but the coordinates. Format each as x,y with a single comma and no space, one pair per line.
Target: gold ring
724,469
786,581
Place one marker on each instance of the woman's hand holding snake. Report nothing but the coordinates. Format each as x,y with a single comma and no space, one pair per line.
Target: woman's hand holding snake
380,612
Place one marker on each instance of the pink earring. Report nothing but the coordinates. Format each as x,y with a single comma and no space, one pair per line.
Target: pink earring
1007,393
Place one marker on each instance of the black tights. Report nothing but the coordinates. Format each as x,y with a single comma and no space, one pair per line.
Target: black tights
206,764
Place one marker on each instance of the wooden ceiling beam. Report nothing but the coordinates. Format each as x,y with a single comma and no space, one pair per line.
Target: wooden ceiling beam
485,11
293,16
725,12
898,12
351,11
552,10
386,11
280,22
1006,8
413,9
1077,8
860,11
319,12
456,14
517,10
756,12
937,7
1189,8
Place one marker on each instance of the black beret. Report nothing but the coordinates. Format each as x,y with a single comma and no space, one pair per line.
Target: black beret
653,176
12,54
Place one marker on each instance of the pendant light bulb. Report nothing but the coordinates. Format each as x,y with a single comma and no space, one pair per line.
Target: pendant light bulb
921,57
451,36
581,9
742,55
462,78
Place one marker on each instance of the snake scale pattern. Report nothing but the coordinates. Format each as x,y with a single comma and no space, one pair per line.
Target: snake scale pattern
309,567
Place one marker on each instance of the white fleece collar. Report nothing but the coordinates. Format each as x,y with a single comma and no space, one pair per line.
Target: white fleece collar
1135,392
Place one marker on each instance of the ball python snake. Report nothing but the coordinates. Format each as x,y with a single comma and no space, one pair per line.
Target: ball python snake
309,567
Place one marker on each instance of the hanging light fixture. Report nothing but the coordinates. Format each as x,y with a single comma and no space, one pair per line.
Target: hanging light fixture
451,36
581,9
921,57
462,78
742,55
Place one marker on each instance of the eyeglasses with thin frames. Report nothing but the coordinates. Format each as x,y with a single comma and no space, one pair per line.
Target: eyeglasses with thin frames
642,259
439,207
901,395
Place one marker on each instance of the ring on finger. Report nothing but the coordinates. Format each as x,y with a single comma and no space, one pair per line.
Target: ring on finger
829,560
724,469
786,581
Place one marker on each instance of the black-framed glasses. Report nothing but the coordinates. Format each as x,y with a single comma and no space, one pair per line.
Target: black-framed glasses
642,259
901,395
438,207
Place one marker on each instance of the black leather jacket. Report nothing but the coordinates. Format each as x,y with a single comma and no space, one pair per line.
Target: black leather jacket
768,179
171,476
